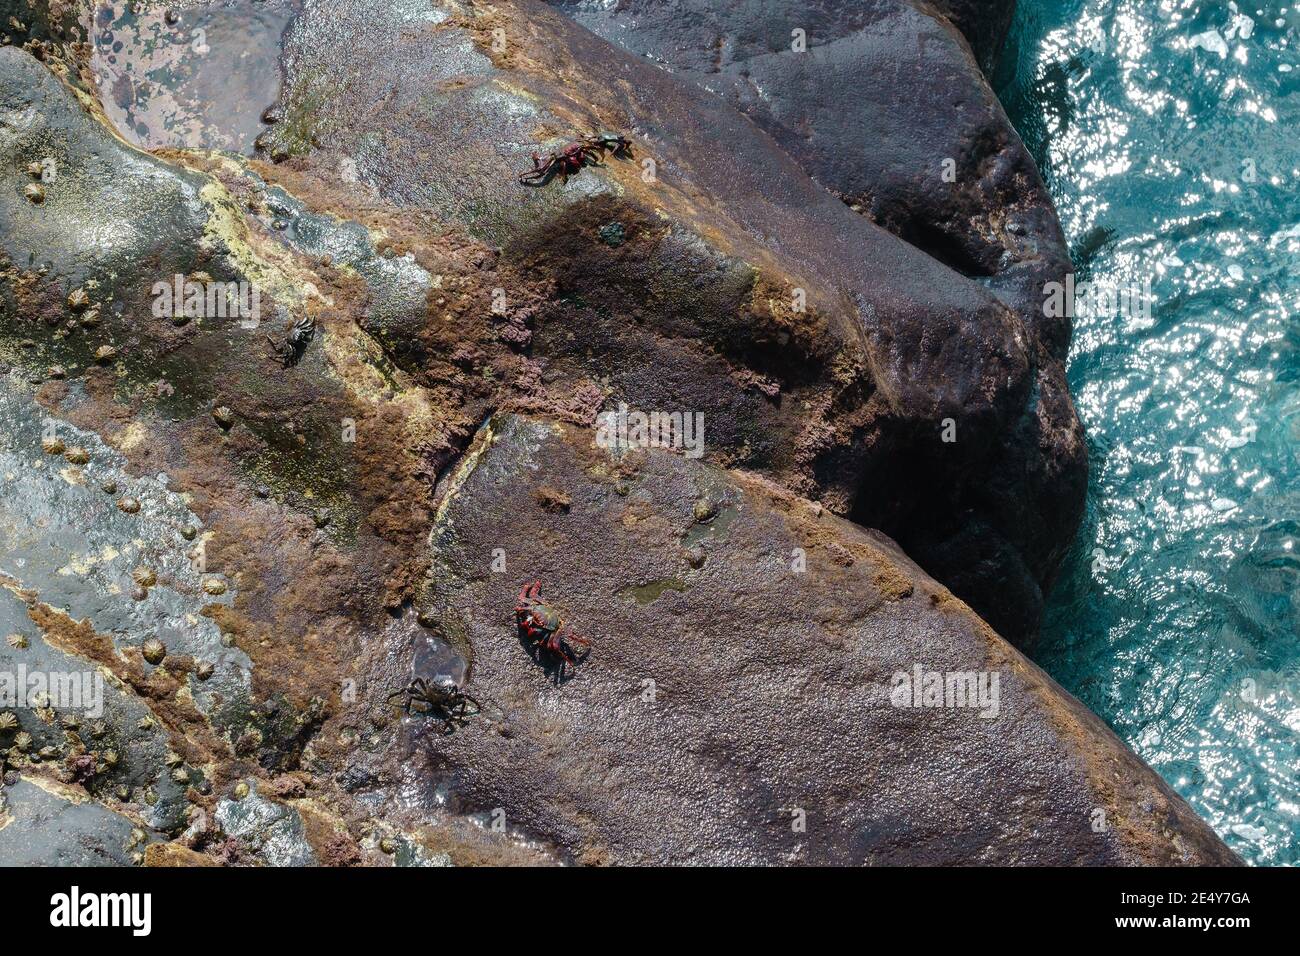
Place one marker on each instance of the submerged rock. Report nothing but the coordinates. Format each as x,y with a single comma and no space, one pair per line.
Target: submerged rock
984,23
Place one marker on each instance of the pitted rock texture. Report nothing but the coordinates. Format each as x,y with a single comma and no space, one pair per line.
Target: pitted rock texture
40,22
719,703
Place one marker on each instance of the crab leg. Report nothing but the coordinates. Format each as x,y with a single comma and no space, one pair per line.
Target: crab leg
569,636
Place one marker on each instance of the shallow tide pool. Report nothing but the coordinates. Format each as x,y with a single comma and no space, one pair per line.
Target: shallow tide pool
1169,134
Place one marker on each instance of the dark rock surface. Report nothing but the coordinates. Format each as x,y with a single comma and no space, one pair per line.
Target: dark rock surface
934,160
301,539
880,144
984,22
893,350
936,348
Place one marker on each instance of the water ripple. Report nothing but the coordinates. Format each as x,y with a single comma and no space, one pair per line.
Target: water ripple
1167,134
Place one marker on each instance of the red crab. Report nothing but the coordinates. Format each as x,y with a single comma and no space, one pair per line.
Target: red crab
589,151
540,623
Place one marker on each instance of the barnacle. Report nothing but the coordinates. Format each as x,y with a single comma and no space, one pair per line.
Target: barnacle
154,650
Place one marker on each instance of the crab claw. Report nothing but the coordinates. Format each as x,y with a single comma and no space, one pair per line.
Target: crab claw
528,596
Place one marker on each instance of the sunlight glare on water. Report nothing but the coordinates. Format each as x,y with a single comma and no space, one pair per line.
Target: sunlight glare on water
1168,132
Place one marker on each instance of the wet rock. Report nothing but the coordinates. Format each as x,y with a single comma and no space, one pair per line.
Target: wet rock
45,25
933,158
444,292
91,609
146,211
749,713
272,832
796,327
55,827
92,728
407,852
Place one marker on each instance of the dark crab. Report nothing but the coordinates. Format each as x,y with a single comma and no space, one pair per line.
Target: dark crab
620,146
290,351
441,697
540,623
589,151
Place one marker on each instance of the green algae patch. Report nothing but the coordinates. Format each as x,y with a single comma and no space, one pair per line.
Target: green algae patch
713,520
654,590
314,477
304,123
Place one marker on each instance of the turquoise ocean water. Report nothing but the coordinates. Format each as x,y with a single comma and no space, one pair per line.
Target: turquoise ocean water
1169,135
